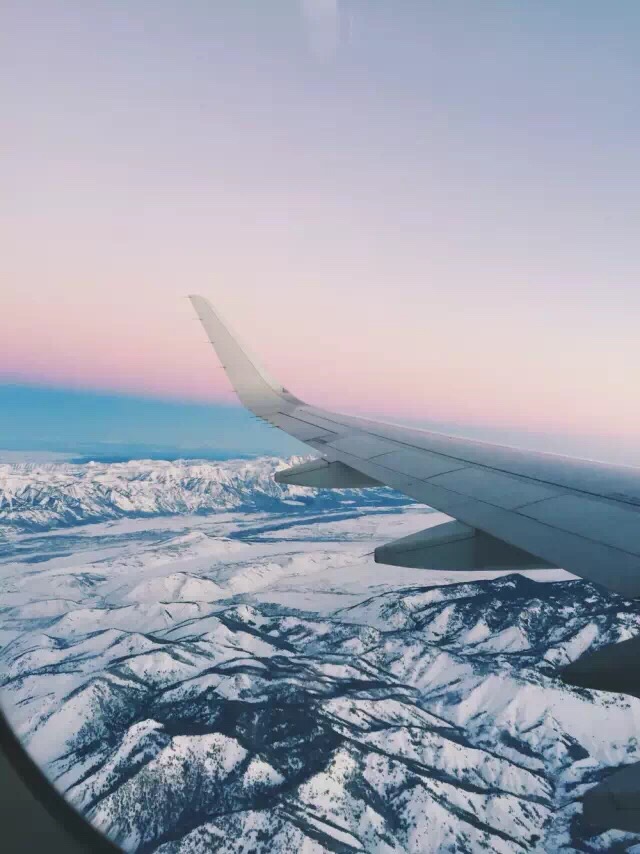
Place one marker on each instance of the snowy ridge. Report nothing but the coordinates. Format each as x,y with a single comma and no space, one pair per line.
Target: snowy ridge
36,497
252,681
332,731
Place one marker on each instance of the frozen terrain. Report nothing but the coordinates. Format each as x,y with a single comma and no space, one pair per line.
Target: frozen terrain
203,660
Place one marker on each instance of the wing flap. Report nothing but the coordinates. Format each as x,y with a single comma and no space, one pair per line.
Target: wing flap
322,474
455,546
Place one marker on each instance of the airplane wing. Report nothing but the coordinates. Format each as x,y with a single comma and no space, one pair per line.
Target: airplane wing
510,509
514,508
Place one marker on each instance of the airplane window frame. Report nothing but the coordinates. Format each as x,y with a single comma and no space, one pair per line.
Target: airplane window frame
69,820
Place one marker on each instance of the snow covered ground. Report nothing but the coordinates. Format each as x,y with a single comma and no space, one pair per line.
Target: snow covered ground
203,660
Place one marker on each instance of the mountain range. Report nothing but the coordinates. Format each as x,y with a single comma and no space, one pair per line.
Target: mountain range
42,496
203,660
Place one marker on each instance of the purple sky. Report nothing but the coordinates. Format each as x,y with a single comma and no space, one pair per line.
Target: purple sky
423,210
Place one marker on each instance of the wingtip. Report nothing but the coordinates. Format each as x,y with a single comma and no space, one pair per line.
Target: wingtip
200,303
257,390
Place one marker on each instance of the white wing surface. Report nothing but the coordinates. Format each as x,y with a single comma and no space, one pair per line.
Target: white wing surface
517,508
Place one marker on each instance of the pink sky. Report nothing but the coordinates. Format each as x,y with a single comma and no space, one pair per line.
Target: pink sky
398,365
464,251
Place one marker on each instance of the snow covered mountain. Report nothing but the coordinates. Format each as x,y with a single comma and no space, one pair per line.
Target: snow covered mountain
247,679
39,496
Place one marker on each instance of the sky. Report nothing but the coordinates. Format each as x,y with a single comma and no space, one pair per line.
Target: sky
80,424
423,211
